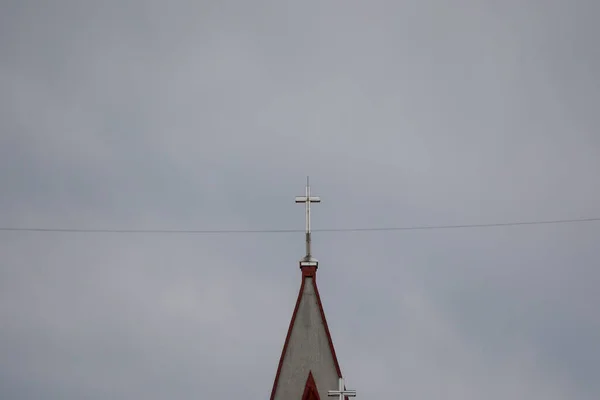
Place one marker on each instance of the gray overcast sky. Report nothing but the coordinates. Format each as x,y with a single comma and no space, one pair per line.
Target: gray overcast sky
209,115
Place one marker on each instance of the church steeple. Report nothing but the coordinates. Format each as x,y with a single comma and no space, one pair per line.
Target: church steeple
308,368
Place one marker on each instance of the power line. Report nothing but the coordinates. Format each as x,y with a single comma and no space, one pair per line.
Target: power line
248,231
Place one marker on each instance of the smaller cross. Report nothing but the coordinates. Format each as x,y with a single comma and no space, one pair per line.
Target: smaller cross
341,392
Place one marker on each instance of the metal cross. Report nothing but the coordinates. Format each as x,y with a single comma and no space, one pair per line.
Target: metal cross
308,199
341,392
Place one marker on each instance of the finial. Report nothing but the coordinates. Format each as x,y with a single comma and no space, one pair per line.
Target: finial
307,199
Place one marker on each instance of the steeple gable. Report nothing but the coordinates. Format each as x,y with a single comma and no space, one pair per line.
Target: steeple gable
310,389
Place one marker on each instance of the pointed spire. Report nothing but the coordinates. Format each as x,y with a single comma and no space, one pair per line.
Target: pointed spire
308,346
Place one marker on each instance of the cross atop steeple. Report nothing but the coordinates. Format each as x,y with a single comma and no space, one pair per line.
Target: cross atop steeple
308,260
308,365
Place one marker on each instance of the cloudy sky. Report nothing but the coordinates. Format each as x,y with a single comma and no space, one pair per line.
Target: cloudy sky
151,114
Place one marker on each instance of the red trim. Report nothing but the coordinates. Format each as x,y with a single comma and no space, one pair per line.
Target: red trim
309,271
287,339
306,272
310,389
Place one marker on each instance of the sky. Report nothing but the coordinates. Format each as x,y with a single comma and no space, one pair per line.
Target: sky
209,115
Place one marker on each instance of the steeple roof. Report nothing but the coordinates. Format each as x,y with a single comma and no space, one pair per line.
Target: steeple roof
308,366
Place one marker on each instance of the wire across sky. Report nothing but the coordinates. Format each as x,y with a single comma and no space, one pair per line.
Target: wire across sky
259,231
